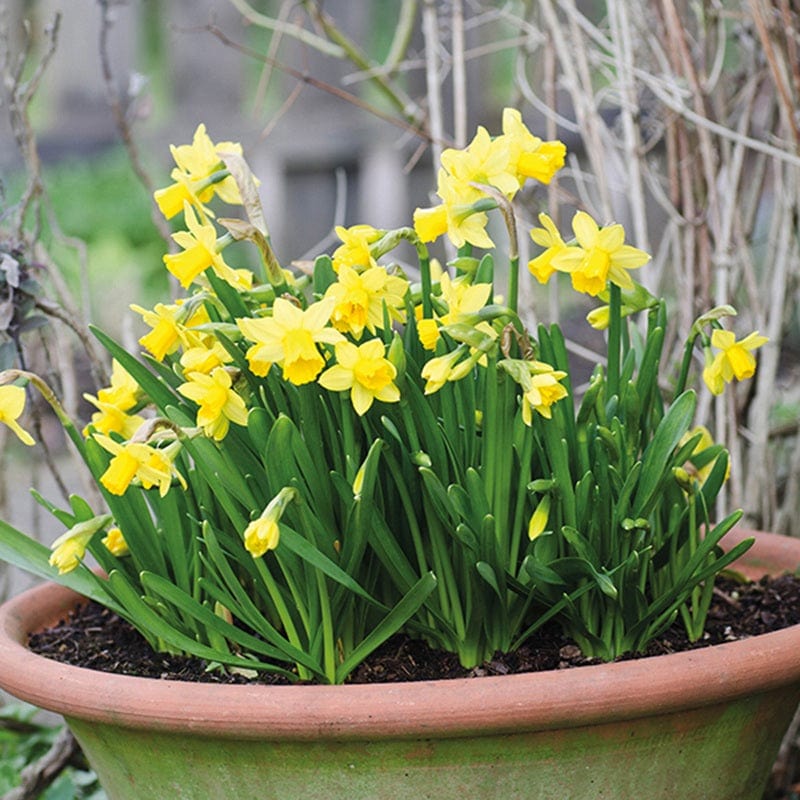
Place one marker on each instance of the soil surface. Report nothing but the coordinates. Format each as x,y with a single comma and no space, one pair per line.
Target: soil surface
95,638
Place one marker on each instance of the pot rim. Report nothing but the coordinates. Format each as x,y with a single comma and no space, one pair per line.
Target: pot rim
442,708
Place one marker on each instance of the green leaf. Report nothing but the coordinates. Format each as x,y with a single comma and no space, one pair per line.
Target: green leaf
324,274
301,547
210,621
409,604
657,458
145,618
24,552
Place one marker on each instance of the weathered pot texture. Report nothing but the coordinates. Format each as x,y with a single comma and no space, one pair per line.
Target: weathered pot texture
700,725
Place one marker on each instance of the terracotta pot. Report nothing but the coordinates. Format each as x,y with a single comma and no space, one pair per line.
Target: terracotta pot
699,725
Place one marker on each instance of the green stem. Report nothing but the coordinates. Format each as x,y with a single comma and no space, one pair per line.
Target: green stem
686,363
513,283
283,613
614,334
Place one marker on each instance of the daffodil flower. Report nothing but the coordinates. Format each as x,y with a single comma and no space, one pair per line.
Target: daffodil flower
219,403
290,338
601,256
543,392
354,251
263,534
361,297
170,328
149,465
548,237
12,404
706,440
437,371
201,251
70,547
207,356
114,542
113,402
111,418
735,359
365,372
540,385
123,392
484,160
529,156
196,164
460,215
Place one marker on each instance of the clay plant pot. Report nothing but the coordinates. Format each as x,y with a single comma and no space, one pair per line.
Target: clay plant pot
700,725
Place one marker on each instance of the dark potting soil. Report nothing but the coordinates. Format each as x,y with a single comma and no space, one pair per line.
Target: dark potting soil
96,638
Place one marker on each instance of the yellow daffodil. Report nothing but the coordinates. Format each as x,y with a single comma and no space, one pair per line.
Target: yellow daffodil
201,250
219,403
428,333
361,297
113,402
365,372
601,256
529,156
354,251
544,390
437,371
263,534
12,404
457,215
110,418
548,237
70,547
462,297
484,160
290,338
115,543
123,392
540,385
207,356
196,164
170,328
735,359
431,223
136,460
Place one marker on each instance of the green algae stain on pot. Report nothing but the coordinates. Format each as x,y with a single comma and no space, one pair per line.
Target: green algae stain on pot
622,760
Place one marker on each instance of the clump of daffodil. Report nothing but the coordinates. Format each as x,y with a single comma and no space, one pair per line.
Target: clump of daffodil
418,460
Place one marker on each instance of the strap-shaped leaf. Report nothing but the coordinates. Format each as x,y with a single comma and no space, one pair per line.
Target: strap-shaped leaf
146,618
657,458
408,605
